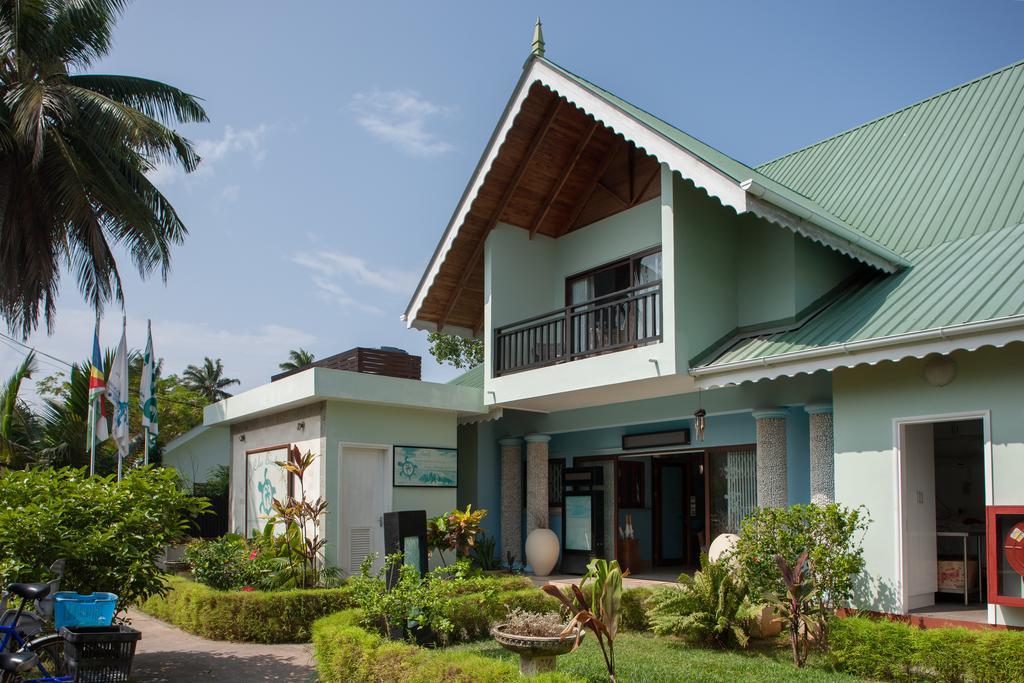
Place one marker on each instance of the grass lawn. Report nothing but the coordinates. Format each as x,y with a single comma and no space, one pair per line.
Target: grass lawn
641,658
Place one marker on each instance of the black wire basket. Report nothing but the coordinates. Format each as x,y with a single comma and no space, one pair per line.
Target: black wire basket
99,654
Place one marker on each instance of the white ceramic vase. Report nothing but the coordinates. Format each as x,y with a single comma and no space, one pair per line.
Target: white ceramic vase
542,551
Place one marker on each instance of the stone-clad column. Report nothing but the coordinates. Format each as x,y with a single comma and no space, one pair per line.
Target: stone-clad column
536,481
823,454
771,458
512,497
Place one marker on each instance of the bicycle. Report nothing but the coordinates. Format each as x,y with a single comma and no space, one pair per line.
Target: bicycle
19,629
14,664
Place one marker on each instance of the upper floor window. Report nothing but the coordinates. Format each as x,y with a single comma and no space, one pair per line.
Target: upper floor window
634,271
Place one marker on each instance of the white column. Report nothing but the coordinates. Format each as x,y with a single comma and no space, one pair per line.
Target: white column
823,454
771,458
536,481
512,498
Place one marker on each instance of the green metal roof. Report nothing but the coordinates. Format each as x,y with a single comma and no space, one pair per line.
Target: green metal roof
945,168
736,170
940,182
973,279
471,378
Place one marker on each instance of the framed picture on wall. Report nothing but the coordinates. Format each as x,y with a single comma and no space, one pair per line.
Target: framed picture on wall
421,466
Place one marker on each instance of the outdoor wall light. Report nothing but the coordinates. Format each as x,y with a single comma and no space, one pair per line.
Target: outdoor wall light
242,438
301,426
939,370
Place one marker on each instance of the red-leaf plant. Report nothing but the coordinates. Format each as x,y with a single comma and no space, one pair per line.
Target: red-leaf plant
796,605
595,605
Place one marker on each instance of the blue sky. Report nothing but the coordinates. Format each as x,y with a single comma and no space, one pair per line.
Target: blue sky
342,134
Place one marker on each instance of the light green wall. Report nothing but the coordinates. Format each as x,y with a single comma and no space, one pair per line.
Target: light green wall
818,270
866,401
766,271
705,269
196,457
519,275
357,423
739,271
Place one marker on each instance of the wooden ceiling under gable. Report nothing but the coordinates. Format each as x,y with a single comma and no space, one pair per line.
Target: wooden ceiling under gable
557,170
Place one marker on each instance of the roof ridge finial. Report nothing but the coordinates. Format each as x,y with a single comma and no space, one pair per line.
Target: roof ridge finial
538,40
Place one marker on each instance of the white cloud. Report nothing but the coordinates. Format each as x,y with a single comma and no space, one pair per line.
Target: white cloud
234,141
332,292
334,264
400,118
350,282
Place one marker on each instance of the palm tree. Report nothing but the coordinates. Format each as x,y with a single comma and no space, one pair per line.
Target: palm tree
209,380
74,152
18,426
297,359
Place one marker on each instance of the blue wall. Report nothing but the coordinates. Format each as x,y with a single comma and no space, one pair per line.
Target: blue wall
721,430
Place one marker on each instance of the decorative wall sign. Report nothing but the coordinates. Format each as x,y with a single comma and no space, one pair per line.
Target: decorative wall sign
264,481
437,467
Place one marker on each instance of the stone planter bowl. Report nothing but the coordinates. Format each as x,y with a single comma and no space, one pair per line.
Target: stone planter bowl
536,653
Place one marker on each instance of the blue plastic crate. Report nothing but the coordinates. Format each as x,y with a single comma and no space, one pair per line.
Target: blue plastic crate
75,609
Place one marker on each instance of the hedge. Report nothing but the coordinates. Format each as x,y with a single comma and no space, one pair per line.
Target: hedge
345,652
894,651
253,617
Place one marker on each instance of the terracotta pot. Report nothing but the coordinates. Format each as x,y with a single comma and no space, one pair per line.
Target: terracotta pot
542,551
768,626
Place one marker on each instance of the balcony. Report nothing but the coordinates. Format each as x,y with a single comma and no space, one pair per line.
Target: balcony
622,320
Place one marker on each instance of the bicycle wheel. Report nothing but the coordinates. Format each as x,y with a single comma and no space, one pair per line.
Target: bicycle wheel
50,650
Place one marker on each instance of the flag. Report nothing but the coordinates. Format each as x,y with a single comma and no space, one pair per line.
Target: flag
147,385
97,387
117,393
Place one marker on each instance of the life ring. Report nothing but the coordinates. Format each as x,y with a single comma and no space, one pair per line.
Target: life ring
1013,547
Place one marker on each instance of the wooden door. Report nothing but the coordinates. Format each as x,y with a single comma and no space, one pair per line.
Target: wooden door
362,506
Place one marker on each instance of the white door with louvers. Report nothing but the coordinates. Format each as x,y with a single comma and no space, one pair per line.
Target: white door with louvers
362,506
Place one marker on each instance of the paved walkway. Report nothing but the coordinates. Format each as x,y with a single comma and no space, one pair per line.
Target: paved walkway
166,653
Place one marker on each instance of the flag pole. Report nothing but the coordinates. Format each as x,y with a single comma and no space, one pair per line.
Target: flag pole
92,439
145,457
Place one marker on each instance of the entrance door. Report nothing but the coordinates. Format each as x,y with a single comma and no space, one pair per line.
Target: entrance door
917,446
673,514
362,506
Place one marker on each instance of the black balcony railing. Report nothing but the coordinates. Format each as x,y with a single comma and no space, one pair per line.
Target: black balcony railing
622,320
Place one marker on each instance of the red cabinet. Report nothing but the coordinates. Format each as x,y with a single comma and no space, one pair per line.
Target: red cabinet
1005,554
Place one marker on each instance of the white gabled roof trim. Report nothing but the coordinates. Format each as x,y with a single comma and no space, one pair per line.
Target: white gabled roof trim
716,183
964,337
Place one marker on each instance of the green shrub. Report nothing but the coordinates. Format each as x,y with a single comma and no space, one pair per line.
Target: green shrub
635,609
711,607
110,532
254,617
448,604
872,648
997,656
346,653
943,651
224,563
832,537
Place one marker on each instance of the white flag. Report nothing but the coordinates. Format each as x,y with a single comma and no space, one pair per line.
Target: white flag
117,392
147,385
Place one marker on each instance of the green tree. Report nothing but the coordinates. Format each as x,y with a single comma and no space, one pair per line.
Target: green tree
208,380
180,407
18,425
76,150
297,358
455,350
